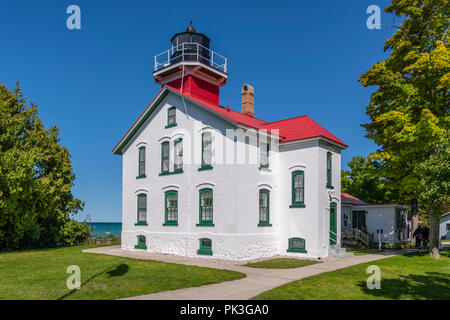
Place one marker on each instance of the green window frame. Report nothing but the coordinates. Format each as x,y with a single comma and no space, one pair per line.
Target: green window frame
264,156
297,245
206,151
165,157
141,210
178,155
264,208
171,117
141,163
171,208
206,208
141,242
448,227
298,189
329,170
205,247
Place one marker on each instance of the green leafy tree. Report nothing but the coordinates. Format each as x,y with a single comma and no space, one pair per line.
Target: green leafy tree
364,181
36,177
434,192
409,111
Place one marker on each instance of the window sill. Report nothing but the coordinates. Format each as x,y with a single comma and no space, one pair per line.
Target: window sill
141,176
141,224
297,250
205,224
264,224
169,173
171,224
329,187
205,168
206,252
264,168
138,246
171,125
297,206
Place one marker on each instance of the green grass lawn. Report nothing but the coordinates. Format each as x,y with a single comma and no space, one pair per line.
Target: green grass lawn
281,263
411,276
41,274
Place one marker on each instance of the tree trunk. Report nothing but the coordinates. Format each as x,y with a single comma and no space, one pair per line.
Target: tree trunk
414,220
434,235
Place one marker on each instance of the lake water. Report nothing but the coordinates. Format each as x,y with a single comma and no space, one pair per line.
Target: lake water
104,229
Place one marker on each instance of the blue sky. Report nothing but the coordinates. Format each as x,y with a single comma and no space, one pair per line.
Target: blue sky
302,57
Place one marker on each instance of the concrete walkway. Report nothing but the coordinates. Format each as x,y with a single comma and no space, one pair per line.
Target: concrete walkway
257,280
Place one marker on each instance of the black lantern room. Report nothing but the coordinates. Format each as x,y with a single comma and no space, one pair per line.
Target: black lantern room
190,46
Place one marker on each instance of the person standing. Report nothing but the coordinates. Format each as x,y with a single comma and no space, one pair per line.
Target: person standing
418,236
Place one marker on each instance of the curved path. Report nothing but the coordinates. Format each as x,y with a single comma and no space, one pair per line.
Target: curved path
257,280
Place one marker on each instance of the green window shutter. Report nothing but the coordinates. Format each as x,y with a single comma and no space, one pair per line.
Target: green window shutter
329,170
264,155
178,159
141,243
206,207
171,117
298,189
205,247
264,208
297,245
165,148
206,151
171,208
141,209
141,163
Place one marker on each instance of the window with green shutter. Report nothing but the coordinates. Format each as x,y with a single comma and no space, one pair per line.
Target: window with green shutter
141,163
264,208
171,208
141,209
298,189
178,160
171,117
165,148
329,170
205,247
206,151
206,208
264,155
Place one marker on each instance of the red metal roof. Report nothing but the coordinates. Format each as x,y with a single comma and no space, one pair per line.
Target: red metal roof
349,199
292,129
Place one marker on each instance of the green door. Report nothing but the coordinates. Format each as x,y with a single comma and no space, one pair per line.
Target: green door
333,227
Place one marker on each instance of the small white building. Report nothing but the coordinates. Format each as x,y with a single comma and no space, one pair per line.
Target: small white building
444,226
200,179
389,221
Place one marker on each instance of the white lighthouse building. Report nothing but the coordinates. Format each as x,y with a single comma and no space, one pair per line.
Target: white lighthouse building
203,180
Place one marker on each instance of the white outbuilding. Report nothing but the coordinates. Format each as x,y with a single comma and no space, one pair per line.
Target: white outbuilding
203,180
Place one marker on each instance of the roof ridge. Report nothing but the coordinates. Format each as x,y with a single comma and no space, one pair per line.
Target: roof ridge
292,118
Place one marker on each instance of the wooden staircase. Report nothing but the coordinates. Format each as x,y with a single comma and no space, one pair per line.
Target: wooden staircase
352,236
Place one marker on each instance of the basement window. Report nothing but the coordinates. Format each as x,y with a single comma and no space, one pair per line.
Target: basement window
296,245
205,247
140,243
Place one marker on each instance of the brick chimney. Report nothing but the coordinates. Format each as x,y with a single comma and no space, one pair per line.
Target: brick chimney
248,100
